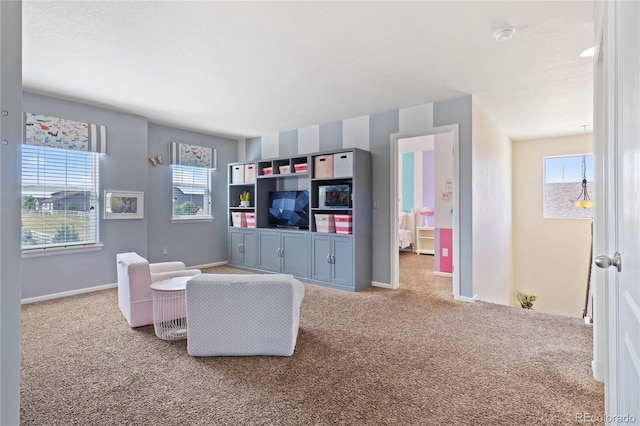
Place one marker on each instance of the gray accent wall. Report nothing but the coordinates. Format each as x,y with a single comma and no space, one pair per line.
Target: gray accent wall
123,168
11,136
381,127
254,149
288,143
194,242
131,140
331,136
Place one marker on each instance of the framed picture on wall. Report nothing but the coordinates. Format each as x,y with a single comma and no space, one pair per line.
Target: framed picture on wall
123,205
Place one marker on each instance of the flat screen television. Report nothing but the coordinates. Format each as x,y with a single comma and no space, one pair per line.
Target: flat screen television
289,209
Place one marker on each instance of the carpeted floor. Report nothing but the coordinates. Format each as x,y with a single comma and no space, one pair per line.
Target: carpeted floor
412,356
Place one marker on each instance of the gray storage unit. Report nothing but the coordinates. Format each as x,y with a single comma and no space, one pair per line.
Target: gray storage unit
340,261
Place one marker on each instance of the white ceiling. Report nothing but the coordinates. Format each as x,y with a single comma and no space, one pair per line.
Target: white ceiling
243,69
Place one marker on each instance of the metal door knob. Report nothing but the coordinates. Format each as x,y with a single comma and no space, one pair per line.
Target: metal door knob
604,262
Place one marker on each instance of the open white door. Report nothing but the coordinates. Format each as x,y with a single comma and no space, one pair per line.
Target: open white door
618,106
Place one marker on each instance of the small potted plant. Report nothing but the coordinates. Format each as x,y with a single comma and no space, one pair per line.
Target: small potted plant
244,199
526,300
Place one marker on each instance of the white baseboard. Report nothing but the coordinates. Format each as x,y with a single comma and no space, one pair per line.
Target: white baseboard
67,293
208,265
468,299
98,288
382,285
443,274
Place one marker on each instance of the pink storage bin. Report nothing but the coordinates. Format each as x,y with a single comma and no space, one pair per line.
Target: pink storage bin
323,166
301,168
325,223
267,171
251,220
249,173
239,219
284,169
344,223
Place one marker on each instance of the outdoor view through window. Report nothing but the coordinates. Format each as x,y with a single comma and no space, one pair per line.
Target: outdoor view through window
562,185
59,197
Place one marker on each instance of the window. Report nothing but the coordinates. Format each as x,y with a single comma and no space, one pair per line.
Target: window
191,192
59,197
562,185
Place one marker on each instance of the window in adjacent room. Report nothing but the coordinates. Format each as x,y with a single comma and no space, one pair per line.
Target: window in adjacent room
562,185
191,192
59,197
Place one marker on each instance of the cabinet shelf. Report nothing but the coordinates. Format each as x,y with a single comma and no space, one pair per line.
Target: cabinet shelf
284,175
425,240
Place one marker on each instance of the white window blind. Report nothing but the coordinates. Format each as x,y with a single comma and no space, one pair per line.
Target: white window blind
191,192
562,185
59,197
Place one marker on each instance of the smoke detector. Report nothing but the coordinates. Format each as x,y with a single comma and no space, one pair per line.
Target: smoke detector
503,34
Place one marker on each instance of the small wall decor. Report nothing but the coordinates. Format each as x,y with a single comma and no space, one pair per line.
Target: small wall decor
445,193
123,205
156,160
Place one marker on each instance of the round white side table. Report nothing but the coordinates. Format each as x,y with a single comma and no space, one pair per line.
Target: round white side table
169,308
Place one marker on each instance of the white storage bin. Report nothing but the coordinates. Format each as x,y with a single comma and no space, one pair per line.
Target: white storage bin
325,223
343,164
237,174
284,169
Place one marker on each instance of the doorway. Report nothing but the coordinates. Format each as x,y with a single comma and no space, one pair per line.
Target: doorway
446,186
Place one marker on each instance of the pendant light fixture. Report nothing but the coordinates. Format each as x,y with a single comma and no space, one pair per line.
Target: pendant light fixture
583,200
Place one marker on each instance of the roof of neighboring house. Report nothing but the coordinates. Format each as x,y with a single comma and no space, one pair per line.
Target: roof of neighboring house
191,190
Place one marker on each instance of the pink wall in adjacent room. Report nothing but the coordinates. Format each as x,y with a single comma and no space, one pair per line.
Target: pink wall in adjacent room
444,240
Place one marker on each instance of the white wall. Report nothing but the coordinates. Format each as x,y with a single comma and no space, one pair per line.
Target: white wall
551,256
492,216
443,179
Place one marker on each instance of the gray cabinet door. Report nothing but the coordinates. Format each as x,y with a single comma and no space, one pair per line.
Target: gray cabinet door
342,261
320,252
250,249
235,247
295,254
269,251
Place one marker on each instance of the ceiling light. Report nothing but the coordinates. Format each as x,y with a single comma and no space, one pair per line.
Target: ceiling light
588,53
503,34
583,200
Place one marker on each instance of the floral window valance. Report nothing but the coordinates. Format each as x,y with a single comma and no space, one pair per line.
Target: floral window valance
192,155
54,132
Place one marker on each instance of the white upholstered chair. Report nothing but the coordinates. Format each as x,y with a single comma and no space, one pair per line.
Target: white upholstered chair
243,314
135,275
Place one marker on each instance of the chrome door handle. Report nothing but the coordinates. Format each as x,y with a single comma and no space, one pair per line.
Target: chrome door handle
328,258
333,259
606,261
240,248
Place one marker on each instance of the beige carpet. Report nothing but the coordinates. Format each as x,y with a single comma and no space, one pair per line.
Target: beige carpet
411,356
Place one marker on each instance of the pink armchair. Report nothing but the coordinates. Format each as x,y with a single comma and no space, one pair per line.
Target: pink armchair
135,275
